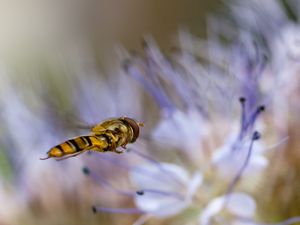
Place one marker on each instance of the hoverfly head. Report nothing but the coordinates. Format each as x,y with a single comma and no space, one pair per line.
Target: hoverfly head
135,127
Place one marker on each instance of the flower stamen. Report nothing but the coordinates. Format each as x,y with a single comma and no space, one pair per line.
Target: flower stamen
243,117
247,123
96,209
255,136
104,183
158,165
289,221
159,192
151,84
254,116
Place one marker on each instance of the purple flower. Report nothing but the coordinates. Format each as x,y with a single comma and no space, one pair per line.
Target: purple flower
165,190
228,210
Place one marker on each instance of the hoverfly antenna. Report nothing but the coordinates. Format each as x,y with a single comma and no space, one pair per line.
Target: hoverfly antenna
141,124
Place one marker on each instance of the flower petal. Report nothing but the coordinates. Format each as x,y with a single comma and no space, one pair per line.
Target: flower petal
241,204
212,209
180,129
229,162
194,184
160,206
164,177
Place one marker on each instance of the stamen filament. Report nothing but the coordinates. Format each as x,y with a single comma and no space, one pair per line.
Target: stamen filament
104,183
117,210
128,167
159,192
243,117
255,136
289,221
158,164
280,142
151,87
254,116
116,162
167,72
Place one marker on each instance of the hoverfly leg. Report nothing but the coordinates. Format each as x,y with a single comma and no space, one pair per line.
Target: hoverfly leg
118,151
47,157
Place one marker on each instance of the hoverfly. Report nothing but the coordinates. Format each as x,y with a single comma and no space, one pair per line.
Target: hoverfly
106,136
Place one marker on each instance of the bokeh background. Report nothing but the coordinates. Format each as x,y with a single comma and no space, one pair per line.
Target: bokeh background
61,70
45,46
43,27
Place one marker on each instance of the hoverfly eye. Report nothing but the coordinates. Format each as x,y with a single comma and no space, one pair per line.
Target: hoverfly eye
135,127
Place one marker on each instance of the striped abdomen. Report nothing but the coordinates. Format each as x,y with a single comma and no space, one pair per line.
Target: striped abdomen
77,145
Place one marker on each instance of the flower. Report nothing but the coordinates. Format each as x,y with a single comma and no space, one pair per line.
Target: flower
228,209
188,134
175,90
165,189
228,161
196,91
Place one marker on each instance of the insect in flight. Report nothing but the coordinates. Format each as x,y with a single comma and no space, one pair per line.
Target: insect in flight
106,136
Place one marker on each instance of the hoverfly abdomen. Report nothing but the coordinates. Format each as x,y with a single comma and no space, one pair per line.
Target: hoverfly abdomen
56,151
77,145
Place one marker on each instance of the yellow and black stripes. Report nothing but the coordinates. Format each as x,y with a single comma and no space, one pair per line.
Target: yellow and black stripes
79,144
106,136
86,140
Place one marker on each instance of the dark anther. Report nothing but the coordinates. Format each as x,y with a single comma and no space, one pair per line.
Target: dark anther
256,135
94,209
144,43
265,57
140,192
242,99
261,108
86,170
125,65
133,53
174,49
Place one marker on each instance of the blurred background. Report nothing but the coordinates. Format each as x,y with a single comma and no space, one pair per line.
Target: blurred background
46,48
37,28
61,69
